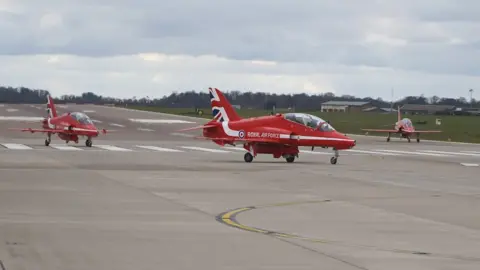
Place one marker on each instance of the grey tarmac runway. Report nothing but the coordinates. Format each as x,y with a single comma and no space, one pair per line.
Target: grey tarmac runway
125,204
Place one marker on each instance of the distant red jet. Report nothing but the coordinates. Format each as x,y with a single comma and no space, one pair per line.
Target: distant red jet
279,135
404,127
68,126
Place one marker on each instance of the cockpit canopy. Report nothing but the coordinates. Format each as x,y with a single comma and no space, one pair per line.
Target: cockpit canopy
309,121
406,123
81,118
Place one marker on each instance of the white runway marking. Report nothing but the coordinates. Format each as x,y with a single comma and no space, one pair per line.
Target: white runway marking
16,146
11,110
471,152
20,118
205,149
160,121
97,121
116,125
88,111
414,153
373,152
145,129
470,164
156,148
452,153
65,147
111,148
2,105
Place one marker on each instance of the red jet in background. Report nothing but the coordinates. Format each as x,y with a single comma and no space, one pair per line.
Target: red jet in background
68,126
404,127
279,135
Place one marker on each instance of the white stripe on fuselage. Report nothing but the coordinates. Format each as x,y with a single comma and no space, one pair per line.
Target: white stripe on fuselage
298,137
235,133
228,130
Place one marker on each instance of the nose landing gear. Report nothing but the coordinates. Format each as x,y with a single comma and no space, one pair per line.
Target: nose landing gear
334,159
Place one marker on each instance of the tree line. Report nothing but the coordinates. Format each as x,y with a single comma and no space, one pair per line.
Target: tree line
201,99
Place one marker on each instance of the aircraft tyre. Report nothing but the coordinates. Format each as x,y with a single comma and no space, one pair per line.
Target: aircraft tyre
333,160
290,159
248,157
418,140
88,143
47,142
388,139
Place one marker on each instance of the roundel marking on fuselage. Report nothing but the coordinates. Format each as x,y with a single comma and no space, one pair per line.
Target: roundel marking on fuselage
241,134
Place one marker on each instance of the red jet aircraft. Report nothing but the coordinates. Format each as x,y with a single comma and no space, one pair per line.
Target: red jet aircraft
279,135
68,126
404,127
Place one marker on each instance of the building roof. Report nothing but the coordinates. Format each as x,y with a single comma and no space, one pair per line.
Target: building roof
381,109
345,103
428,107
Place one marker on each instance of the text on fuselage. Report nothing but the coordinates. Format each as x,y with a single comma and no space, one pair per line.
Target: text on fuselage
263,135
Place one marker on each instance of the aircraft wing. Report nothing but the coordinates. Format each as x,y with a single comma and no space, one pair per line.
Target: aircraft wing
381,130
33,130
427,131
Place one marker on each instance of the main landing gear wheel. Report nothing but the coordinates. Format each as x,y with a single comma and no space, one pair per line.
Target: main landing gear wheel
48,139
333,160
388,139
418,140
248,157
88,143
290,159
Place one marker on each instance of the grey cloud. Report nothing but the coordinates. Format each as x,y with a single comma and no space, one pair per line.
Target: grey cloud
277,30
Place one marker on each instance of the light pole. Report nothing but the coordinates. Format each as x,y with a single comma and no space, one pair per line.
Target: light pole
471,97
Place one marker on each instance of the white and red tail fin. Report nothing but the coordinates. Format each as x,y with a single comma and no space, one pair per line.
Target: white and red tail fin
222,110
52,111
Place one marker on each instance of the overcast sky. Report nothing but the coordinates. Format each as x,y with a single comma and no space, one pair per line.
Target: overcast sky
127,48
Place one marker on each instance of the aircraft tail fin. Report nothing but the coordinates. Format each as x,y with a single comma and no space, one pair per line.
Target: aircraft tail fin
222,110
52,111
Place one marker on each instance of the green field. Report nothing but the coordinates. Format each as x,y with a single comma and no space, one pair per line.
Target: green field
455,128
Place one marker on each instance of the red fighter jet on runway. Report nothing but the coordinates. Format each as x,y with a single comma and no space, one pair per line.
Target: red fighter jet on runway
68,126
404,127
279,135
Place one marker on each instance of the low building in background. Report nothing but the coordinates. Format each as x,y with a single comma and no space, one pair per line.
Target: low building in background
345,106
427,109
